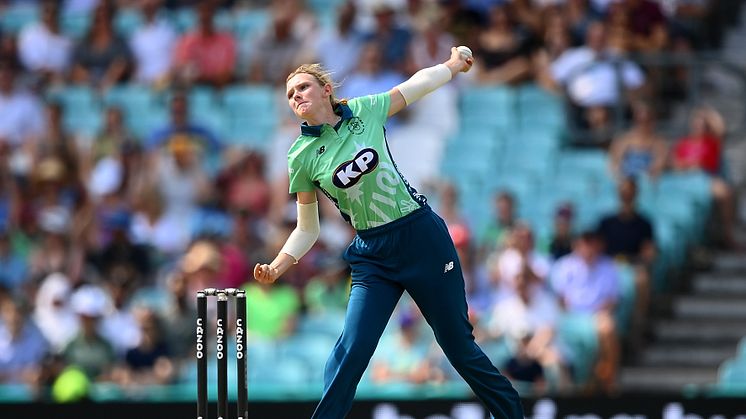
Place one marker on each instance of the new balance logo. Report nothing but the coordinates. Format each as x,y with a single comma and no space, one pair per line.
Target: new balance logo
448,267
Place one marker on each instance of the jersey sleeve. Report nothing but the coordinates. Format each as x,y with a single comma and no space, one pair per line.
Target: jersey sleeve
376,107
300,180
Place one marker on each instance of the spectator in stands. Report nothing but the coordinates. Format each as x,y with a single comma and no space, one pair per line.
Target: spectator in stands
338,48
89,350
418,15
448,205
627,233
520,253
22,346
56,179
152,228
431,42
495,234
392,38
406,355
328,292
245,235
177,313
236,262
9,50
109,142
587,283
527,321
55,183
56,141
685,18
630,241
152,46
644,21
182,129
530,15
596,79
619,37
579,15
286,48
53,312
120,257
150,362
273,312
702,150
101,59
104,185
22,119
556,39
244,183
55,251
135,171
502,51
200,265
476,281
371,75
184,186
639,151
302,16
463,20
10,197
119,326
13,265
205,55
563,234
42,48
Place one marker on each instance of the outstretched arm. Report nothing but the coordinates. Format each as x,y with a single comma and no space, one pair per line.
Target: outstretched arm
298,244
428,80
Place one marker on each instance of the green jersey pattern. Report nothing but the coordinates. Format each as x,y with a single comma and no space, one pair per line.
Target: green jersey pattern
352,165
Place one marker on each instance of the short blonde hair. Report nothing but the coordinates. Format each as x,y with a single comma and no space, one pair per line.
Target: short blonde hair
322,76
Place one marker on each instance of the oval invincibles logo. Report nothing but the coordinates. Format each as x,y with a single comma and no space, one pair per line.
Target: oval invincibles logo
350,172
356,126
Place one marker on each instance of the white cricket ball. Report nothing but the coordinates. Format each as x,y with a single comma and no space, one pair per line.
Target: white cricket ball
465,51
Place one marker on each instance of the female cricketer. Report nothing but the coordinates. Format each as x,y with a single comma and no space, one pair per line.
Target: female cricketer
400,245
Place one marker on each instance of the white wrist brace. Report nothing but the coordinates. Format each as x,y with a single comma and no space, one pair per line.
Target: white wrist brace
306,232
424,82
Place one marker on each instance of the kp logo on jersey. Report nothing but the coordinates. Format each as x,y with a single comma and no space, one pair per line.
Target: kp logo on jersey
350,172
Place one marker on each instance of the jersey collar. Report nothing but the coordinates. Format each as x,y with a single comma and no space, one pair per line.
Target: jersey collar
315,130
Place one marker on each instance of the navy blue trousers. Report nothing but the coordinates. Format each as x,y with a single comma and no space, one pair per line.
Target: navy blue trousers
416,254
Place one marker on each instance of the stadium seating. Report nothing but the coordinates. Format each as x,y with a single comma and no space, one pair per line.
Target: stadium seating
127,21
14,18
578,335
537,107
488,106
252,115
75,25
732,377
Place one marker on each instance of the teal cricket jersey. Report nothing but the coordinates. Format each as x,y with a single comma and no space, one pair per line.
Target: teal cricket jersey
352,165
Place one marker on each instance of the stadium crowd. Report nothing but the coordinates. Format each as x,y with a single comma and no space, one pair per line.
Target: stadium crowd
107,232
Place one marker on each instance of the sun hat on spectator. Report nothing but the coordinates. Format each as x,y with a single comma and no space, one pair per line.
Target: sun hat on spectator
106,177
50,169
89,301
54,220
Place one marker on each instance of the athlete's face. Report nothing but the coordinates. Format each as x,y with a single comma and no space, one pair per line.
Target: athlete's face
306,96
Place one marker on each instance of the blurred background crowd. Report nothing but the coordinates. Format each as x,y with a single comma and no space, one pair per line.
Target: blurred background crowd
143,157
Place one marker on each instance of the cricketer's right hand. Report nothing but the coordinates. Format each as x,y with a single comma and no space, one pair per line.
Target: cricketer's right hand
265,273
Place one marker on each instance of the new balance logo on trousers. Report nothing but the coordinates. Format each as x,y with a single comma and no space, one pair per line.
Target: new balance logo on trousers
448,267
